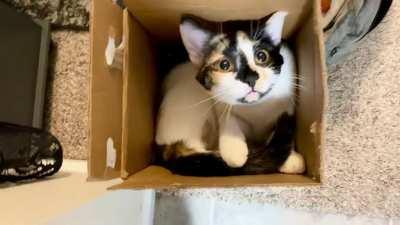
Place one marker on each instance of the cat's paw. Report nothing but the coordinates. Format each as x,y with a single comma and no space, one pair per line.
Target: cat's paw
233,151
294,164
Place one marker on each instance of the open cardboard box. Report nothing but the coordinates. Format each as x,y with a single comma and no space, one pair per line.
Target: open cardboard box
123,103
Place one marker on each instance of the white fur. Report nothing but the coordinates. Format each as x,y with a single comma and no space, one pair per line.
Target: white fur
294,164
274,26
194,40
233,150
232,142
180,117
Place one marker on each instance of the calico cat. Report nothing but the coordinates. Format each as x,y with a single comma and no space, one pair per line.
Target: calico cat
230,110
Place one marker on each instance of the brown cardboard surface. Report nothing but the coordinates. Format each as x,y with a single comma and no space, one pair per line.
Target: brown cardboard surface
161,18
139,80
322,89
105,114
136,101
312,97
310,103
158,177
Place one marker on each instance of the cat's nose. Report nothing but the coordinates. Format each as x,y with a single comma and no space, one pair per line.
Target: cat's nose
251,79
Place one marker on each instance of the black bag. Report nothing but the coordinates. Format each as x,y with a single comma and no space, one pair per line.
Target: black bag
27,153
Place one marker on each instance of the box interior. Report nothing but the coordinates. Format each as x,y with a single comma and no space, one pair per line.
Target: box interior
105,115
147,26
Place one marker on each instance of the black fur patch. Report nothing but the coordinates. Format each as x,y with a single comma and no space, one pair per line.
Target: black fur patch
270,158
195,164
200,164
204,78
262,160
245,73
273,51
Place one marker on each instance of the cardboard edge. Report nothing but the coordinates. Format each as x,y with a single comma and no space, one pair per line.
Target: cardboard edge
157,177
89,143
127,186
136,37
322,126
122,186
106,175
124,144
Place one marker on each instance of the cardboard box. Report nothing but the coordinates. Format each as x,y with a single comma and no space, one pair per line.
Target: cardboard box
123,104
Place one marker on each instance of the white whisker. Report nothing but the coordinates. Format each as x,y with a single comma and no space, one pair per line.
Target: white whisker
220,93
221,29
298,86
210,108
298,78
223,112
205,100
251,28
229,112
255,36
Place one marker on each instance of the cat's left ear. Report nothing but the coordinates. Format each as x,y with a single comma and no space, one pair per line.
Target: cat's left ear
274,27
195,37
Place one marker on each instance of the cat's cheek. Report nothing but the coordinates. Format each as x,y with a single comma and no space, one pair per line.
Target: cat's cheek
263,85
229,89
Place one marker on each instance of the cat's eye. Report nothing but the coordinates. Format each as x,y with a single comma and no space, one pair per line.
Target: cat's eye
224,65
261,56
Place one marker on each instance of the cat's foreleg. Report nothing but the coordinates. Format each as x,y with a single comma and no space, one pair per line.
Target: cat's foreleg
232,142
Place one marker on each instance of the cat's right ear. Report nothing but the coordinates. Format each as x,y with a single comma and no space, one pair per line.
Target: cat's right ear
195,38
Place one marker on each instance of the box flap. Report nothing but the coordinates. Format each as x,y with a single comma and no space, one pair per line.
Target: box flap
105,116
158,177
312,99
139,81
161,18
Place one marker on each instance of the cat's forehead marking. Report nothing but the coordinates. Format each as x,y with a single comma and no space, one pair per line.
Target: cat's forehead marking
246,46
219,77
217,38
220,44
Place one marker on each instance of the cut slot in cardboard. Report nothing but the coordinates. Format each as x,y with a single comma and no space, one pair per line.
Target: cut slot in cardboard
123,104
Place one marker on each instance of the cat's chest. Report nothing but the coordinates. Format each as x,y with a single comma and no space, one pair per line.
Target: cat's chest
259,119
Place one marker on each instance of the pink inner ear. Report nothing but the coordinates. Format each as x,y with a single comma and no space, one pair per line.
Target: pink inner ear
194,40
274,26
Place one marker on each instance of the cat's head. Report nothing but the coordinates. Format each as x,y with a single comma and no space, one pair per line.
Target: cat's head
239,62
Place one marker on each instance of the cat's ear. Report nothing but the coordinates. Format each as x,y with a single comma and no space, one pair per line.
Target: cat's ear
274,27
195,38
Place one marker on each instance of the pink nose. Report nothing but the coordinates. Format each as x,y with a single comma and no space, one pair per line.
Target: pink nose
252,96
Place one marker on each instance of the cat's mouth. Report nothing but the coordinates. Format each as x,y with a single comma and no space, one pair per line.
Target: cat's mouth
253,96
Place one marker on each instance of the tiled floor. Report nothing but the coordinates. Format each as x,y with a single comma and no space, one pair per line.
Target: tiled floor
201,211
42,200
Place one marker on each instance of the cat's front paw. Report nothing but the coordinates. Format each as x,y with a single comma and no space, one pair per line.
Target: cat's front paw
294,164
233,151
